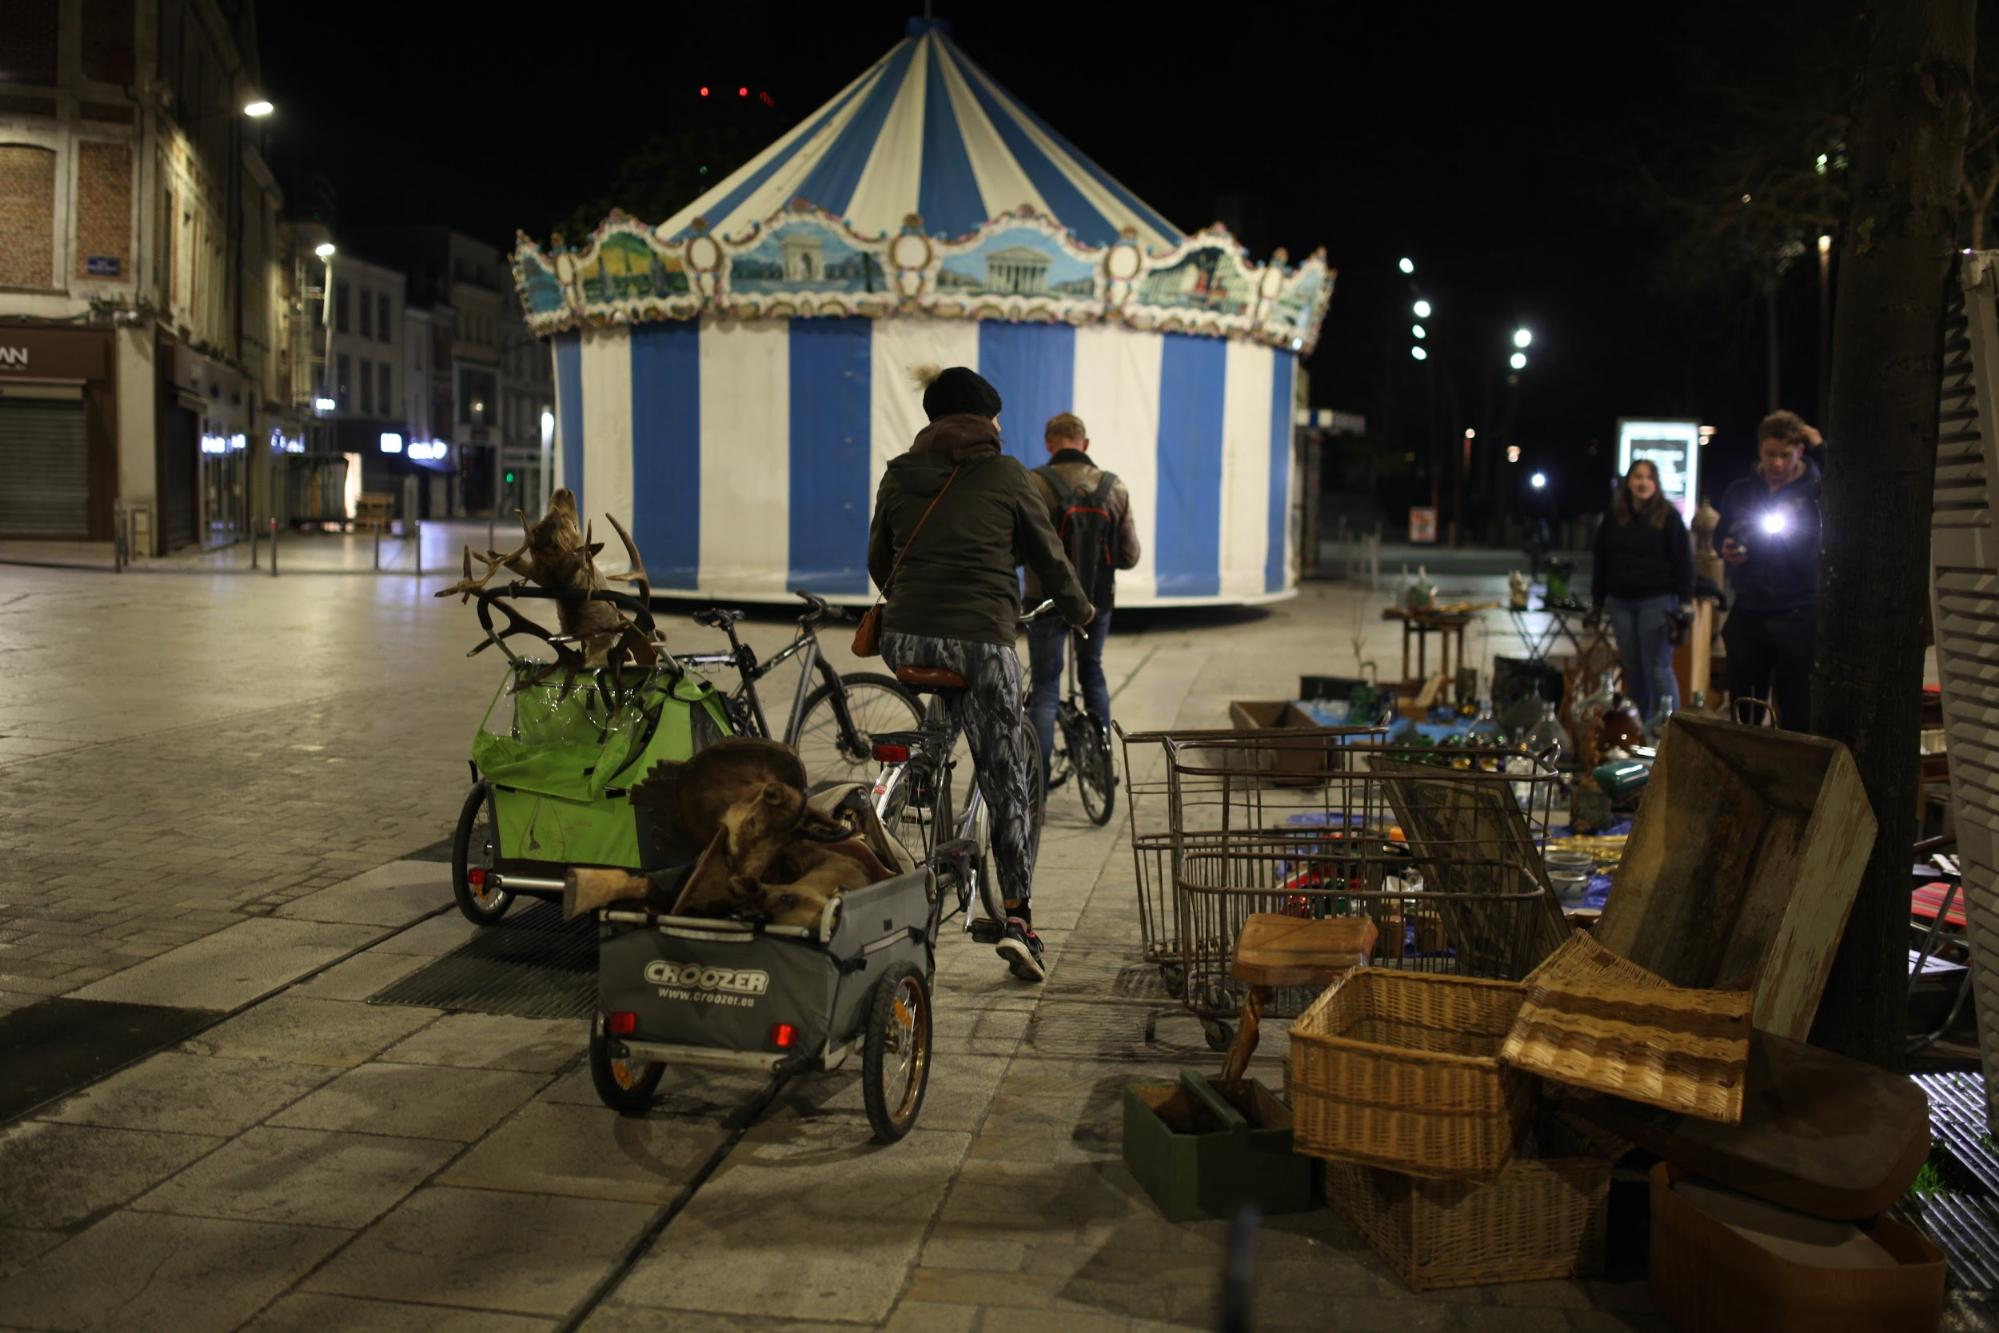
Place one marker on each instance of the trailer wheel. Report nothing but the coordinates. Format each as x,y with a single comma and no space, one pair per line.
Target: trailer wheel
626,1086
895,1058
475,851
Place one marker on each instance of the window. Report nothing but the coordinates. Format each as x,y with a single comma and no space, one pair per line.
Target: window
382,315
340,310
367,317
342,395
387,392
367,383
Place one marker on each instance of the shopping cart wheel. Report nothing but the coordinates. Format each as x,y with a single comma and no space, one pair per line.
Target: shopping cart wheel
1220,1035
1174,978
626,1086
895,1058
475,850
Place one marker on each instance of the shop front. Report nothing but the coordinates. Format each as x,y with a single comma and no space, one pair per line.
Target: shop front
204,451
412,475
58,434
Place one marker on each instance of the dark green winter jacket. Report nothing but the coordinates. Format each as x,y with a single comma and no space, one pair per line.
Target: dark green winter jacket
959,579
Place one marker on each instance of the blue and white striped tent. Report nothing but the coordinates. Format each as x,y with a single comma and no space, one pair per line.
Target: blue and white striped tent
747,446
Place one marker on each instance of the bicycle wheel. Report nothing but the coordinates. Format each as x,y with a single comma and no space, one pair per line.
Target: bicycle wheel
1096,776
1037,785
475,851
875,703
992,899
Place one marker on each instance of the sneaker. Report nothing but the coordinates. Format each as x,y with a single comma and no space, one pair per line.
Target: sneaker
1021,948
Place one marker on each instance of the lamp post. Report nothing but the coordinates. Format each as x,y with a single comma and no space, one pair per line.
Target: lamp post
1825,322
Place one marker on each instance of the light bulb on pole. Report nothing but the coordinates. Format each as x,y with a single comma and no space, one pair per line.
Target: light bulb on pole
1518,361
1522,338
1406,265
1419,354
1422,309
1418,331
1539,481
324,250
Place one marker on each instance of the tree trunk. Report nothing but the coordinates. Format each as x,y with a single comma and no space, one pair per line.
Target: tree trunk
1907,149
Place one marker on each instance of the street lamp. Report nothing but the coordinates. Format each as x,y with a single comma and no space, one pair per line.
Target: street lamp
1518,361
1539,481
1419,354
1418,331
1407,265
324,250
1422,309
258,109
1522,338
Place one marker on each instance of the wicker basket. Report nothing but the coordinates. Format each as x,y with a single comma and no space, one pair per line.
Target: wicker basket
1594,1020
1541,1217
1401,1070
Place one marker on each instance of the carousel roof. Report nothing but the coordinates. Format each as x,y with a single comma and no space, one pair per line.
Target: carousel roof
926,131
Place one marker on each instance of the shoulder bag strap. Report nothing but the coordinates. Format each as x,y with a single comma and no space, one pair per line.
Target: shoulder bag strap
900,555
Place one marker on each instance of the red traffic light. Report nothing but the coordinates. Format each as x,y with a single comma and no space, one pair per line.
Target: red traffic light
704,91
742,92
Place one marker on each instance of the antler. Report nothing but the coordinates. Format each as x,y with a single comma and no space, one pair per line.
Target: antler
637,573
494,563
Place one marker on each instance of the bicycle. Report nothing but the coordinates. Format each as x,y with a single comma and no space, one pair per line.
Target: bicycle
1083,746
831,727
915,788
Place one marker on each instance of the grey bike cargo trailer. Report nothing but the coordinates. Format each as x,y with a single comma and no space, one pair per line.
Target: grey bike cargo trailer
777,999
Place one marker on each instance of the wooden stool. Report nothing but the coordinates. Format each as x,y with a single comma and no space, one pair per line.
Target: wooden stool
1275,950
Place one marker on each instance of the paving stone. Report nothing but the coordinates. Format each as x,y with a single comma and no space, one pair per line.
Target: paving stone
18,1246
923,1317
433,938
136,1271
191,1094
56,1176
842,1218
359,977
392,895
233,966
413,1101
304,1176
590,1153
960,1088
337,1033
486,1249
319,1314
495,1041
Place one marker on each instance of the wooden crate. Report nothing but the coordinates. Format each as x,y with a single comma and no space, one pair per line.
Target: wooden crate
1742,865
1205,1147
1710,1277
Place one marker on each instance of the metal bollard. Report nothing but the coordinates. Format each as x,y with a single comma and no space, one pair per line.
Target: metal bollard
416,531
378,546
274,546
255,537
119,520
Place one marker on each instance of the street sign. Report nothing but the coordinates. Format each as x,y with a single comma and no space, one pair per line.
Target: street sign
1422,524
103,266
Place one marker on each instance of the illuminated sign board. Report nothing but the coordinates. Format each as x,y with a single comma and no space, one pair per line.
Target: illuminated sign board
1673,448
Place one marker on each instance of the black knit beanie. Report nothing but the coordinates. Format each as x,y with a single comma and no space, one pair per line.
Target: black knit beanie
960,390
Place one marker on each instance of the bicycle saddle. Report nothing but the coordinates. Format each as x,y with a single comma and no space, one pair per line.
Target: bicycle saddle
717,616
929,678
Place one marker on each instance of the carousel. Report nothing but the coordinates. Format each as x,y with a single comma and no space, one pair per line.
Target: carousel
737,376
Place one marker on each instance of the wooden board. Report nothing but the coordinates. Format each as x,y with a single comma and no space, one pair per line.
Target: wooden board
1469,837
1742,865
1820,1133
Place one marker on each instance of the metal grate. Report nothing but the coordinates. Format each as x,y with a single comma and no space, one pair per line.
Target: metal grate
1962,1214
531,965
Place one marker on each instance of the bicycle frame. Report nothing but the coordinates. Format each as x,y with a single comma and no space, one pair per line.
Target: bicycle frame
942,828
744,659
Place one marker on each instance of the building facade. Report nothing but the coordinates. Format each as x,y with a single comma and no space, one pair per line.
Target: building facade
148,299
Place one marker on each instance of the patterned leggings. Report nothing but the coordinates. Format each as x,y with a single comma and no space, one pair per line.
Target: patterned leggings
987,711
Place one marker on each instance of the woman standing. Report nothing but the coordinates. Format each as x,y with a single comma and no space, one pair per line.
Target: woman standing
1643,576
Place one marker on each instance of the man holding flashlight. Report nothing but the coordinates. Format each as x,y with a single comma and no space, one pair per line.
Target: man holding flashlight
1769,537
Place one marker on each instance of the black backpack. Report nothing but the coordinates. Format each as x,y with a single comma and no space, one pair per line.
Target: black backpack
1088,530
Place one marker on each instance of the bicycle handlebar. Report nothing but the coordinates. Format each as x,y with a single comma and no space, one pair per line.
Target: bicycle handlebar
1038,612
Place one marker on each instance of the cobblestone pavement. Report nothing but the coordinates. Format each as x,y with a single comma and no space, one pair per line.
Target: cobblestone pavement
214,788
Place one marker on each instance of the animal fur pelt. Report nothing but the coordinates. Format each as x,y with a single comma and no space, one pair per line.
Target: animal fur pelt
763,851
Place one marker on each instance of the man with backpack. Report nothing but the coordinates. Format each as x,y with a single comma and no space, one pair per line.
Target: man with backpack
1091,511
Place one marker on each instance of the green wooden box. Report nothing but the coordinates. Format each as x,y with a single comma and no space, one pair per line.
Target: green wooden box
1205,1147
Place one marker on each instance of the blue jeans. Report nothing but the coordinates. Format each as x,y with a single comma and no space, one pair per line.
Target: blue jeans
1646,651
1045,640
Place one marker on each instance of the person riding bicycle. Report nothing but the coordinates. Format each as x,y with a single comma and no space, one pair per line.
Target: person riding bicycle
955,602
1091,511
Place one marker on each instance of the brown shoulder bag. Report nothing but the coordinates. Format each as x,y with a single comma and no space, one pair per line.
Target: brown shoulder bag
868,634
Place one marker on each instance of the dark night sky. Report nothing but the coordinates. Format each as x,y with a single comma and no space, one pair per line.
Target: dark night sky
1475,139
